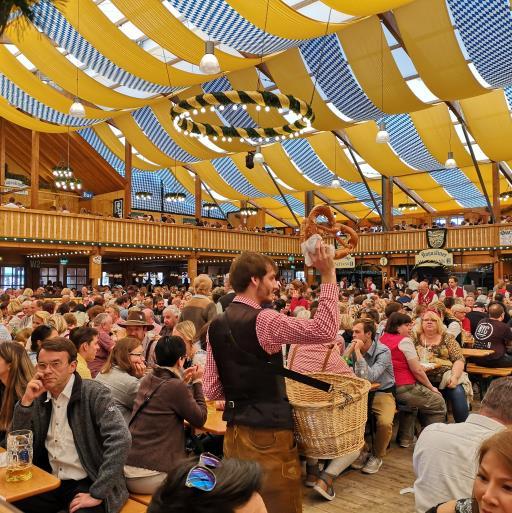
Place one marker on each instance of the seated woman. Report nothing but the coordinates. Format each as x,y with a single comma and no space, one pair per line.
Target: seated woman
122,372
38,336
163,402
187,331
413,388
16,370
228,486
491,491
434,344
322,358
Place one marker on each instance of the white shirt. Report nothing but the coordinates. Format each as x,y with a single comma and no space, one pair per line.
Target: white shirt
59,442
11,205
413,284
445,459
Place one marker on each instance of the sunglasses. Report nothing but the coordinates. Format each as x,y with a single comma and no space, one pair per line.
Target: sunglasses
200,476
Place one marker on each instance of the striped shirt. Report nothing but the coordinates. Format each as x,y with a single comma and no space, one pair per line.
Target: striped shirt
274,329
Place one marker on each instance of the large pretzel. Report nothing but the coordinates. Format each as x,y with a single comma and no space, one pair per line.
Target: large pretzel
310,227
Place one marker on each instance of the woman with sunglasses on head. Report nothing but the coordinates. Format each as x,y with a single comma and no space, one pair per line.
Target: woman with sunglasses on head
164,401
16,370
227,486
122,372
492,490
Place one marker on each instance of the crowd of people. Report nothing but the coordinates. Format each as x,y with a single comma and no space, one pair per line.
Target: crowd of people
404,225
106,379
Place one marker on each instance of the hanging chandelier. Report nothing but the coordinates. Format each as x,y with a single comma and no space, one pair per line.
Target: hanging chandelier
182,112
248,211
209,207
505,196
143,195
175,197
65,178
407,206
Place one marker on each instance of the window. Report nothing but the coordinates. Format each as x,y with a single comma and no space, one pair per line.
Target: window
457,220
47,274
440,221
76,277
13,277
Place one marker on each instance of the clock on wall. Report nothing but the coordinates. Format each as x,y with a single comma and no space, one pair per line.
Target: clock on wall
383,261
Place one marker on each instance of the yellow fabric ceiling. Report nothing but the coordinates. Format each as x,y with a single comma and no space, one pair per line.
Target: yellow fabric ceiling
427,32
366,49
120,49
364,7
275,17
490,124
104,132
152,18
40,51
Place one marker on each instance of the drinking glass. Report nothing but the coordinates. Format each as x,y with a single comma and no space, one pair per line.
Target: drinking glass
19,455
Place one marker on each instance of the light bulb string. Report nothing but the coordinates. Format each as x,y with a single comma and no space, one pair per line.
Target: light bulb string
320,62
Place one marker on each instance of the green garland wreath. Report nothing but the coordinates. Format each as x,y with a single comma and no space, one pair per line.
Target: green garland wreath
180,114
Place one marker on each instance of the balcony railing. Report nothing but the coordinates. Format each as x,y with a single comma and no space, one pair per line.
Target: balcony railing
51,227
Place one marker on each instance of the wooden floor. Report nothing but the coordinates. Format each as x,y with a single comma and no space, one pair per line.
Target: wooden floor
378,493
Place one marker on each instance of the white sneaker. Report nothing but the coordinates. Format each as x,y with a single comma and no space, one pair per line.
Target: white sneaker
361,460
372,465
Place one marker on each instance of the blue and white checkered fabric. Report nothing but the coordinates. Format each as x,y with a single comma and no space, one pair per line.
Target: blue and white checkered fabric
239,117
150,125
326,61
57,28
230,173
297,205
508,96
485,27
21,100
90,136
407,143
222,23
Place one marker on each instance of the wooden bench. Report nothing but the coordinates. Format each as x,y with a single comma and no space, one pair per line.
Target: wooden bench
486,374
143,499
133,507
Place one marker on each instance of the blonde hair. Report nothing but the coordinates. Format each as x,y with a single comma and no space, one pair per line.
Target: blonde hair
501,444
28,292
23,335
187,329
458,308
346,322
441,328
14,307
65,292
43,315
58,322
203,284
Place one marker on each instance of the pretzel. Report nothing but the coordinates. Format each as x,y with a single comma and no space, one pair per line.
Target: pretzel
310,227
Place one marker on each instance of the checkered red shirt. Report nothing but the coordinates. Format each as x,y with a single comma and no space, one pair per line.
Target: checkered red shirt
274,329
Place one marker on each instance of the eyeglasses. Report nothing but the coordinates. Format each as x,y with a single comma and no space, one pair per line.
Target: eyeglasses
200,476
136,354
56,365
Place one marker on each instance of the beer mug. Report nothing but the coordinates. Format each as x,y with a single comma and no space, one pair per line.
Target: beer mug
19,455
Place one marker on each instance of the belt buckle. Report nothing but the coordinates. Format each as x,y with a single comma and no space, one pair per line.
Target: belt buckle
230,404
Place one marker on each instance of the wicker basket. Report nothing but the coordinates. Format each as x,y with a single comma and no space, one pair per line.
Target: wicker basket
329,424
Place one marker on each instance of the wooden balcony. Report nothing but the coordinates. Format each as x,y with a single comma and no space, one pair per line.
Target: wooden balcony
43,228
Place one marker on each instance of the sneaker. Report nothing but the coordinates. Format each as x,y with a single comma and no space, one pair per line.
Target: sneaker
372,465
323,488
361,460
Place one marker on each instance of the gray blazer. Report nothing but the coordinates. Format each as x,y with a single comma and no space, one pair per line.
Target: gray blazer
101,436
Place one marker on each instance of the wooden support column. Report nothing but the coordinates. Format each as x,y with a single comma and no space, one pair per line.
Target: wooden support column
387,202
309,202
496,207
497,267
95,267
197,197
2,152
127,203
34,171
192,268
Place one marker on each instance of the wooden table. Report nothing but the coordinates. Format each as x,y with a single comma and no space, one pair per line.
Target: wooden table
478,353
214,424
374,386
40,482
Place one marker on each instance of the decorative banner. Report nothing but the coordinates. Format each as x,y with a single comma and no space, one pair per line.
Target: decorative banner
348,262
505,237
18,187
436,237
117,208
439,256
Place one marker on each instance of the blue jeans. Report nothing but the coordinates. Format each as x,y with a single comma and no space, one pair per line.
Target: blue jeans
457,397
